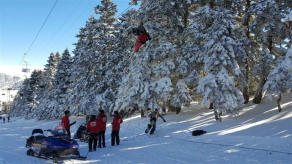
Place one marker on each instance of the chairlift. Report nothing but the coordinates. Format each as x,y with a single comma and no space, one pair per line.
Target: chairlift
25,67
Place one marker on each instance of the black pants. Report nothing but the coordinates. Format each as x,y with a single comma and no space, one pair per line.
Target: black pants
153,128
115,137
101,136
93,137
69,133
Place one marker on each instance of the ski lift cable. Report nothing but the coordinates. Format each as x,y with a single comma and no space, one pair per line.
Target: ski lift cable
66,30
74,23
61,26
124,11
37,35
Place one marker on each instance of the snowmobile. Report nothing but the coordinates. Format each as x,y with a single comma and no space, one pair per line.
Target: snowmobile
82,133
53,146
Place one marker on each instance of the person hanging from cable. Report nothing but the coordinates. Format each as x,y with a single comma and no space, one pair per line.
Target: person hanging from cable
143,36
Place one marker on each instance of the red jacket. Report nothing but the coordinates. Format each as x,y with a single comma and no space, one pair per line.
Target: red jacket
142,38
66,122
116,122
102,119
92,126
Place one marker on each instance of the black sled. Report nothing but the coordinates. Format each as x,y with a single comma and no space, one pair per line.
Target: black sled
82,133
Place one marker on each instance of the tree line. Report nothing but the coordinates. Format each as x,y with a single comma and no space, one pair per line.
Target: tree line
212,51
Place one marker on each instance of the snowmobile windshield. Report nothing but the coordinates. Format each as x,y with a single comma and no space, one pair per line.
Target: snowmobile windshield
58,132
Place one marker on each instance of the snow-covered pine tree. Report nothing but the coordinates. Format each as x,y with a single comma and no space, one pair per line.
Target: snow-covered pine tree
272,33
49,72
120,61
279,80
44,94
78,71
220,89
163,52
31,102
134,88
17,107
82,66
103,79
58,57
61,84
223,49
97,44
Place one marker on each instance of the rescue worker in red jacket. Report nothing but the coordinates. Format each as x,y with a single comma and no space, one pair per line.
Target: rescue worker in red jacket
102,119
66,122
93,127
141,40
116,128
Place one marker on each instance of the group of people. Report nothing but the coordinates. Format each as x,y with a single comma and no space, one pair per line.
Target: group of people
8,118
96,127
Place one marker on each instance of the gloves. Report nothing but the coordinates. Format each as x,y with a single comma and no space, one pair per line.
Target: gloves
73,123
164,121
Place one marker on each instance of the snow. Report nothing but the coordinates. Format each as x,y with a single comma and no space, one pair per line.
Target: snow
259,134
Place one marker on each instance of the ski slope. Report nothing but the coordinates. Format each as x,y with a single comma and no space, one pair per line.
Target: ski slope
258,135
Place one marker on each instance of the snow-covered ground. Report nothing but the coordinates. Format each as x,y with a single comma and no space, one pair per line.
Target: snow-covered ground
259,135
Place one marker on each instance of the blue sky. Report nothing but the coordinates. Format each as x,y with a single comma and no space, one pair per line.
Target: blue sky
20,21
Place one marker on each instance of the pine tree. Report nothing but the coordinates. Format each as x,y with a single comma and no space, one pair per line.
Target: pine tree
220,89
97,43
223,48
17,107
269,30
166,64
279,80
31,101
61,84
104,73
46,87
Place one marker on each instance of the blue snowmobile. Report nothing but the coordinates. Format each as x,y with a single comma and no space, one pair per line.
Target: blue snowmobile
53,146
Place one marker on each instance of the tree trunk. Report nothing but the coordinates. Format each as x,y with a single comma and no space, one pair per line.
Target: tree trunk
142,111
258,97
211,106
212,4
177,109
278,102
245,94
164,106
245,91
216,115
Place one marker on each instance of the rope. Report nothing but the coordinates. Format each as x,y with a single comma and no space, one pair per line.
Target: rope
109,142
275,151
126,128
37,35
